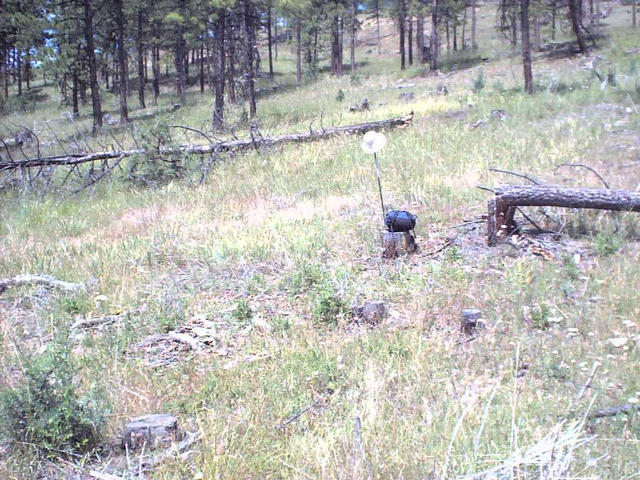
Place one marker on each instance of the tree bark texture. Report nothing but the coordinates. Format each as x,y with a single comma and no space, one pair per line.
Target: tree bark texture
574,14
251,44
218,109
401,26
508,197
434,42
219,147
93,70
526,46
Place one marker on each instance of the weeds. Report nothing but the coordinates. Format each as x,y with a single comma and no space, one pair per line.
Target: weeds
47,410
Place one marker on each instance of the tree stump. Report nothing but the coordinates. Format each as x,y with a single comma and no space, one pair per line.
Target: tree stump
398,243
151,431
470,320
371,312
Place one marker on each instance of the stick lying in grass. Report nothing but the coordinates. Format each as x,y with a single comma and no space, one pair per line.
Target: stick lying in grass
613,411
40,280
225,146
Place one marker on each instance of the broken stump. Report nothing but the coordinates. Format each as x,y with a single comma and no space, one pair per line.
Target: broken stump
470,320
398,243
151,431
371,312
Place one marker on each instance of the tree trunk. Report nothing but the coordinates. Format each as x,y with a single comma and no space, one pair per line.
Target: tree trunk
433,41
18,55
502,207
574,13
179,59
155,68
446,27
633,14
336,62
554,9
74,93
124,114
514,27
455,36
251,42
474,25
3,67
218,111
401,25
202,67
377,9
269,40
231,70
275,44
536,34
93,72
354,32
526,46
27,70
420,37
463,34
410,39
299,52
141,62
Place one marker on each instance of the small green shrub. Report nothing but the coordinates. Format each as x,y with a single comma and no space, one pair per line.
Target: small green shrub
478,81
76,304
607,244
242,312
306,277
46,409
540,317
340,95
329,309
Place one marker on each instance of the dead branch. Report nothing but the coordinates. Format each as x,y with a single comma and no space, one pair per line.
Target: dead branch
297,415
47,280
592,170
225,146
515,174
85,323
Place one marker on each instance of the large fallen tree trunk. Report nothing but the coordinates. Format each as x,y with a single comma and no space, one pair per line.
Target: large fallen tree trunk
225,146
502,207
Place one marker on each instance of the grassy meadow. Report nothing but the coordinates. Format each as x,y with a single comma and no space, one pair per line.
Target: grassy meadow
275,247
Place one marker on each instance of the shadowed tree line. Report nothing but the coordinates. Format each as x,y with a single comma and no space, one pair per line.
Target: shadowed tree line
128,47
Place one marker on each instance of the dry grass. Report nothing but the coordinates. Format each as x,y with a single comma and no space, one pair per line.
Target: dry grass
279,231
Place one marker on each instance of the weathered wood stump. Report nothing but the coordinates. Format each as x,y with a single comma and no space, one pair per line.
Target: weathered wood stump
371,312
471,319
502,207
151,431
398,243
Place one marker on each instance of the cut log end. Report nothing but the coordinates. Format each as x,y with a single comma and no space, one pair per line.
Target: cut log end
501,208
151,432
398,243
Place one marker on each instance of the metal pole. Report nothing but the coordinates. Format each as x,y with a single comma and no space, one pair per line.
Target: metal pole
375,161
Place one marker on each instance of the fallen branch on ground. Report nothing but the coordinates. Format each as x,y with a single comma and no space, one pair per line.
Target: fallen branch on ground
297,415
613,411
47,280
502,208
225,146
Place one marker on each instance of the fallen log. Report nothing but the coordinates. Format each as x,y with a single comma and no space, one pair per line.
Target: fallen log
500,221
47,280
212,148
